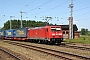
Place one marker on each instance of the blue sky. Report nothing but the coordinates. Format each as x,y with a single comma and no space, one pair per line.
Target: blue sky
37,9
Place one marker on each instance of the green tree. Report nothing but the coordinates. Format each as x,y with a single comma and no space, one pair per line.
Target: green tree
89,33
82,31
26,23
6,25
86,31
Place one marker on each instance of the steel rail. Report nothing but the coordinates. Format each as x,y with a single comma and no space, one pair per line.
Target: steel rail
67,53
34,48
76,47
10,54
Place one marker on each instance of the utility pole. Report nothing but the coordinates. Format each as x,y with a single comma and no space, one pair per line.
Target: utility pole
21,18
11,22
47,19
71,21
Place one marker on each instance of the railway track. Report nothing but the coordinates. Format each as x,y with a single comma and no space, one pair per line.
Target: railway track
76,47
11,54
71,46
60,54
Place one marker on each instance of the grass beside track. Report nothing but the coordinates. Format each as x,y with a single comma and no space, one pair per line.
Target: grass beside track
82,39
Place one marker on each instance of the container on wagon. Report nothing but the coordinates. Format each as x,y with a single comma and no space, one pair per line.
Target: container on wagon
21,32
2,33
10,33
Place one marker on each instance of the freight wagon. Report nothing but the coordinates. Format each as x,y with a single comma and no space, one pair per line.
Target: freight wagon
2,34
21,34
47,34
10,34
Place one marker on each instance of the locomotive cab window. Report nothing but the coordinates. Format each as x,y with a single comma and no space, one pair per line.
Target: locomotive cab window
55,29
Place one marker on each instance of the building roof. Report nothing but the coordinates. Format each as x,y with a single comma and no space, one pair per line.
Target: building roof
66,27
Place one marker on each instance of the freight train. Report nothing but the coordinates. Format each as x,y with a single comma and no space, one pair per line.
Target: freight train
46,34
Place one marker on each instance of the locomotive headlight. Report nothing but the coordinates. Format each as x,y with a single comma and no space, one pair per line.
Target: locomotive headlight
53,34
60,34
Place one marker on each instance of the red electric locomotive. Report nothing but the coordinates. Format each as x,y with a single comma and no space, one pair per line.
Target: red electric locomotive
47,34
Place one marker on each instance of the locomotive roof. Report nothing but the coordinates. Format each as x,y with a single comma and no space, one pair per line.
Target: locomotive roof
41,27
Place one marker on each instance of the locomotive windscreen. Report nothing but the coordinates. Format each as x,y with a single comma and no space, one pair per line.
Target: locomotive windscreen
55,29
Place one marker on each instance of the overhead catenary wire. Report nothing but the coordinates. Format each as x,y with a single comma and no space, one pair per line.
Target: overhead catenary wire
53,7
84,19
40,5
18,8
65,12
46,12
73,11
56,7
31,9
28,4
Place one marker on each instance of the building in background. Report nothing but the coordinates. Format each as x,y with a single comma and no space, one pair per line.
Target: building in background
65,29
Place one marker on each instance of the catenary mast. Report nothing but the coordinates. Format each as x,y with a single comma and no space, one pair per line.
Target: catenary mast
71,20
